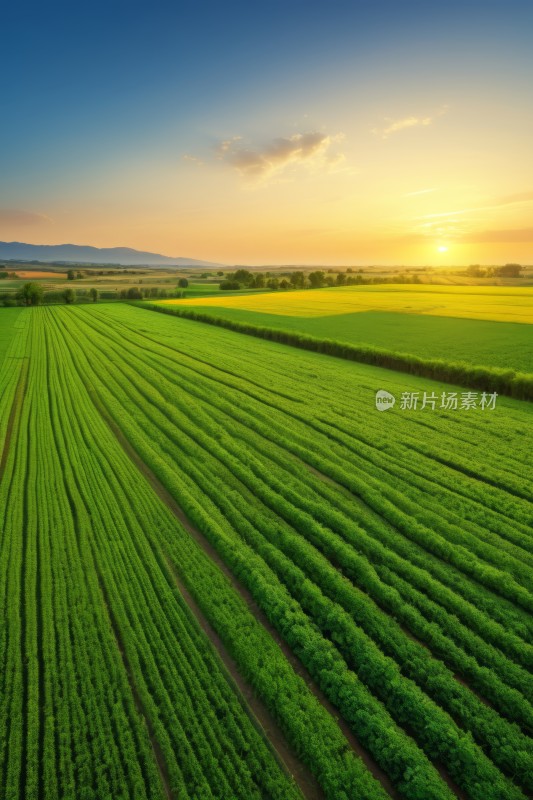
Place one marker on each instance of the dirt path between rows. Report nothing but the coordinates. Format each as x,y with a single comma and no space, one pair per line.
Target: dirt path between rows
463,681
256,709
346,492
253,706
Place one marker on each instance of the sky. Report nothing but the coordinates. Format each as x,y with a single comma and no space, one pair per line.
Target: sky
271,133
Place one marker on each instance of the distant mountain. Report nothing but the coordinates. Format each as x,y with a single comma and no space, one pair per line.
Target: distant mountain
73,253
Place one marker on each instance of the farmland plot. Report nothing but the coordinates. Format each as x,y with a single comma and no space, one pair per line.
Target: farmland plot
488,326
366,566
109,688
498,303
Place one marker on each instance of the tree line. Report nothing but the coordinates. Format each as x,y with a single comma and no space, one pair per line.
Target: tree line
33,294
506,271
298,279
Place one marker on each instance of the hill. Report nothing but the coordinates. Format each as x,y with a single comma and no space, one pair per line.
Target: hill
66,253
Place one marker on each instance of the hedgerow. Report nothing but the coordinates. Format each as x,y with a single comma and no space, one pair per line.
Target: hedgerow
489,379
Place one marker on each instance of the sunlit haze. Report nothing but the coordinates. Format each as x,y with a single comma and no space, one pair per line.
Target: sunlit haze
271,133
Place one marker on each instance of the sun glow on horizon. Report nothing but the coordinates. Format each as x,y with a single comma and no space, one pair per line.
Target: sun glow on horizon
442,249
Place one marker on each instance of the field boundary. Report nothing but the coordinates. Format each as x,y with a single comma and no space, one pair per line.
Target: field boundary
509,382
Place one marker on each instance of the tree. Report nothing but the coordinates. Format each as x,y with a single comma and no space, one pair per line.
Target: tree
69,296
134,294
31,294
229,285
341,279
475,271
93,294
259,281
317,279
508,271
71,275
297,280
284,284
273,284
183,283
220,274
243,276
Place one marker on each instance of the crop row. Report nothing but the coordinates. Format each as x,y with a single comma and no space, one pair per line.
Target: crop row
334,462
490,379
173,429
100,657
66,734
209,745
472,428
330,459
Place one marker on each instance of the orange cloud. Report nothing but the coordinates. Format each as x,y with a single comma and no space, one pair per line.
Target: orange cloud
396,125
504,236
311,149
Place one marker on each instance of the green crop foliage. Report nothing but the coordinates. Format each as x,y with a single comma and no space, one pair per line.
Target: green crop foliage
389,554
473,341
106,674
431,364
9,323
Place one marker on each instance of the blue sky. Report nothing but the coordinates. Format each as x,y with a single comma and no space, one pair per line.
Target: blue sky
118,111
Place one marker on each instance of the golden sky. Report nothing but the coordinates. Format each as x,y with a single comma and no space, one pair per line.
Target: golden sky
363,138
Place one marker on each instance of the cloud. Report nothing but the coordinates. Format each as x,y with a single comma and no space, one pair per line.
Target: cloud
496,236
259,164
406,122
194,160
450,213
397,125
458,235
510,199
495,203
420,191
14,216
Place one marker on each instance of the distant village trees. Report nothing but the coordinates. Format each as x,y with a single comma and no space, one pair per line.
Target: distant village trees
505,271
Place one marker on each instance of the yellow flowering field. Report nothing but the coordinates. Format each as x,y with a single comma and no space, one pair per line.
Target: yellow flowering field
498,303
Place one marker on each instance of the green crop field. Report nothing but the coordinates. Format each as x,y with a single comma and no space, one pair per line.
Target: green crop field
9,321
226,574
497,344
427,321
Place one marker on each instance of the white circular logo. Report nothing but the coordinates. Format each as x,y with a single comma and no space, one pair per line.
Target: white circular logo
384,400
